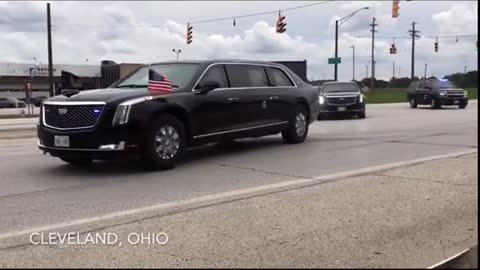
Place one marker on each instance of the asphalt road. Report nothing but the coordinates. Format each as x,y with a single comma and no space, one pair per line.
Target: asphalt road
37,190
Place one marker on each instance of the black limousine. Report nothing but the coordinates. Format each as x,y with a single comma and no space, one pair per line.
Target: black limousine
209,101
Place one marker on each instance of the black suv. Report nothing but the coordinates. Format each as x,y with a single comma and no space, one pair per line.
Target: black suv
436,93
212,101
341,98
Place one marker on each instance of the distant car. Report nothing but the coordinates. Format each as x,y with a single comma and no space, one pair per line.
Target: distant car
11,102
436,93
341,98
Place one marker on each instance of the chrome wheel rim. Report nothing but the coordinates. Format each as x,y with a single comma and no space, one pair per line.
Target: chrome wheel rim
167,142
300,124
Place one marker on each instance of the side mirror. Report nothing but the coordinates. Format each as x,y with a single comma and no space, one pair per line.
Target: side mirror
207,86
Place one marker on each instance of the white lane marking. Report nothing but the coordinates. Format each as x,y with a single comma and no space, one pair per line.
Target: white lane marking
228,194
448,259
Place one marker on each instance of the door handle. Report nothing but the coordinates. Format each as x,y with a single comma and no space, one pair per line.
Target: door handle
233,99
273,97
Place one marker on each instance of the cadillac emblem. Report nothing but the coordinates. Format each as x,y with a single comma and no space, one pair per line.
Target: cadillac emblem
62,111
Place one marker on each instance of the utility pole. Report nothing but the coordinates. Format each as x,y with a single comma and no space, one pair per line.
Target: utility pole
393,76
353,47
465,70
335,74
50,60
425,74
373,25
413,34
366,70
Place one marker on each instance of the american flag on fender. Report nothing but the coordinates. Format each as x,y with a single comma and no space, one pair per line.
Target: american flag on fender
158,83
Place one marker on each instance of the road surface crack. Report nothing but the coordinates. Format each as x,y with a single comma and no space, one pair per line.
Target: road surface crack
424,180
264,171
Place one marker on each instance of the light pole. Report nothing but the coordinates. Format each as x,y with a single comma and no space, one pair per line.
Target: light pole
393,76
425,74
353,47
465,70
339,23
177,52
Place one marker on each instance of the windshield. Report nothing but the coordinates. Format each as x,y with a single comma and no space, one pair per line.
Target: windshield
178,74
340,87
442,84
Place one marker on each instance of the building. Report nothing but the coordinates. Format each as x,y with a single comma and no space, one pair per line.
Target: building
15,76
298,67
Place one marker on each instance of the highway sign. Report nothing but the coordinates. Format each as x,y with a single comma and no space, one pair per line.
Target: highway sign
334,60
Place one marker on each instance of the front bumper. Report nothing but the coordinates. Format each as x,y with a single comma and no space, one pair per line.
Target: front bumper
334,109
453,100
88,143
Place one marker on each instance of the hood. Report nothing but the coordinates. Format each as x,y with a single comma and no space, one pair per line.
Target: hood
109,95
341,93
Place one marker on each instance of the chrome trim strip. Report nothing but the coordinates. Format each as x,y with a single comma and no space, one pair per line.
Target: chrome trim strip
236,130
66,104
251,64
78,149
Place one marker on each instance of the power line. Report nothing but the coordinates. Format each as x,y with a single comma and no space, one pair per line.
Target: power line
395,37
258,14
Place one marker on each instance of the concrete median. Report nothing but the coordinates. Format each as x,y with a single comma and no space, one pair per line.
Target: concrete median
15,128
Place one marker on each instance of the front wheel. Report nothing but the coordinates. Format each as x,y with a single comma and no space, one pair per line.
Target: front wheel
462,105
297,127
165,143
435,104
77,161
361,115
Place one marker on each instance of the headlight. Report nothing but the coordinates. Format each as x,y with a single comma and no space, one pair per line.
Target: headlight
442,93
121,114
465,93
321,99
361,98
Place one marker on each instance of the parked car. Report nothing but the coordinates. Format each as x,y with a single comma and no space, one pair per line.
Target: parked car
11,102
212,101
436,93
341,98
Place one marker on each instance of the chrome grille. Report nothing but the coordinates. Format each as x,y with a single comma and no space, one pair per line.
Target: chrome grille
66,116
348,100
455,93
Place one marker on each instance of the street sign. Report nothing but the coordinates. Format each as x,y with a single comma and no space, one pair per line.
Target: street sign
334,60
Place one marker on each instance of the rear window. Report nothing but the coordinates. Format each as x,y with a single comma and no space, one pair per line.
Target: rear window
247,76
278,77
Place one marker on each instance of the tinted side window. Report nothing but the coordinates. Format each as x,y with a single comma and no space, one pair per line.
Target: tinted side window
215,73
278,77
247,76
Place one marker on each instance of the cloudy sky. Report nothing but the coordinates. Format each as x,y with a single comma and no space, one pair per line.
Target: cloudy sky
143,32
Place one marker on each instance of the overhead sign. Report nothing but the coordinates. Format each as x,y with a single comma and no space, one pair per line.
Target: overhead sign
334,60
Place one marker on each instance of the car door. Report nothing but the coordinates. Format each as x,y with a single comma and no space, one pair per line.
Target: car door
422,94
280,96
246,94
212,111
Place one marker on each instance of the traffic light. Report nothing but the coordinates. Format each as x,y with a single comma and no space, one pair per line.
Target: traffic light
436,46
280,24
395,8
393,49
189,33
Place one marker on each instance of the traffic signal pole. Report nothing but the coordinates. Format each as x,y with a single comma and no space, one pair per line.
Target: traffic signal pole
50,60
413,33
373,25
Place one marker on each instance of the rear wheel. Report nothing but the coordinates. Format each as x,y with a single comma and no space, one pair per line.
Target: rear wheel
297,127
413,103
77,161
165,143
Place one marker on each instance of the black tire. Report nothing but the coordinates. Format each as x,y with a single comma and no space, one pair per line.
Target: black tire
153,159
77,161
413,103
290,135
361,115
462,105
435,104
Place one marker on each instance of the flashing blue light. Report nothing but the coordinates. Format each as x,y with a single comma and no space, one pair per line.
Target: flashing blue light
97,112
